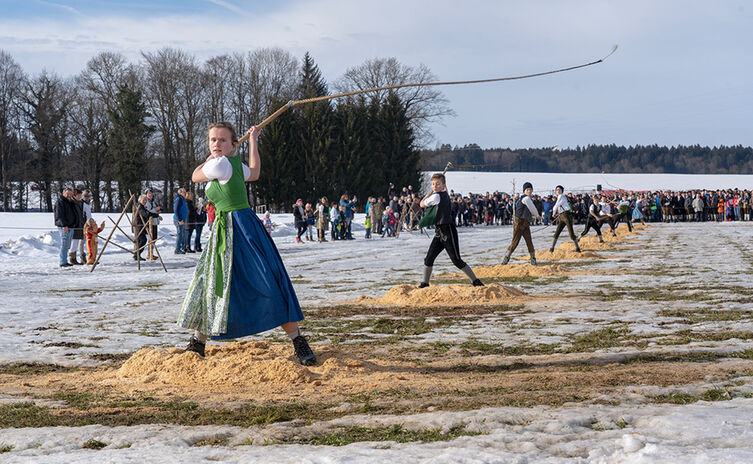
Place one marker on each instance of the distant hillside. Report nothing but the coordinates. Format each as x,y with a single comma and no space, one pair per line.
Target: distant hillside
693,159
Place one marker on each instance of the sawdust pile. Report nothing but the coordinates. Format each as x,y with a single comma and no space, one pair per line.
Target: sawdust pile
446,295
233,364
562,254
515,270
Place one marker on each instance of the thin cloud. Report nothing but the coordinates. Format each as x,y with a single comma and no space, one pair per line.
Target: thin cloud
227,5
70,9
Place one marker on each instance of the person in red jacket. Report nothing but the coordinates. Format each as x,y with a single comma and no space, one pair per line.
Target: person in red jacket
210,214
90,232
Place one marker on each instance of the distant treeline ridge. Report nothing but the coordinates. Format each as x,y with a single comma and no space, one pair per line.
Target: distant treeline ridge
692,159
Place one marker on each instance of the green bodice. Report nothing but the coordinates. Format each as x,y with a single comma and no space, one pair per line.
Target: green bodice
231,196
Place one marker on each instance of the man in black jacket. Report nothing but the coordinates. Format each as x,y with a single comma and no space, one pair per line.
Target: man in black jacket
65,220
142,223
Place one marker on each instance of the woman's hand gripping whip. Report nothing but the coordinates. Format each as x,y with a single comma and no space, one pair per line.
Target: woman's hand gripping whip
293,103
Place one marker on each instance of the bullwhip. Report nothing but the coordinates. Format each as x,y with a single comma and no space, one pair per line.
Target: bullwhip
293,103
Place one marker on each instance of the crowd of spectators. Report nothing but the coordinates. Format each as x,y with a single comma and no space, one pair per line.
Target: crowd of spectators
399,209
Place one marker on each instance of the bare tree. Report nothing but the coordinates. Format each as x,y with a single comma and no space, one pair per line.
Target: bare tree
423,105
175,93
11,86
45,104
88,140
103,76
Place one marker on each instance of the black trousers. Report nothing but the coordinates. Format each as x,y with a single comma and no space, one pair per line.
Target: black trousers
620,217
592,223
446,238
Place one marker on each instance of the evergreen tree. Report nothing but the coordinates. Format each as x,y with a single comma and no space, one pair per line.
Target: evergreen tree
128,139
317,132
282,176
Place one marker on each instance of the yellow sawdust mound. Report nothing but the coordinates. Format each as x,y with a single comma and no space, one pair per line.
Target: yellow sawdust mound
443,295
560,254
238,363
515,270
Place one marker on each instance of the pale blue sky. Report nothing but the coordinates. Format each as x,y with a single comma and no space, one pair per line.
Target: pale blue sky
682,74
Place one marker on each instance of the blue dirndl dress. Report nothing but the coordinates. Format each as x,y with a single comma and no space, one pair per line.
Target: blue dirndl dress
252,291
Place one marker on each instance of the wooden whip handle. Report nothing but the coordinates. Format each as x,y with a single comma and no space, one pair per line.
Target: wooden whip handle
269,119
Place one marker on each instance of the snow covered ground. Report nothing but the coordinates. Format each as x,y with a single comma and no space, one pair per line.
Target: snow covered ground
65,316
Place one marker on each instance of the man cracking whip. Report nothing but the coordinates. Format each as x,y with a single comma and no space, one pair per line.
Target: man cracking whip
525,211
446,237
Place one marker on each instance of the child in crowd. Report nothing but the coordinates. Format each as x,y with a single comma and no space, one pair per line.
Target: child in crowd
268,224
90,231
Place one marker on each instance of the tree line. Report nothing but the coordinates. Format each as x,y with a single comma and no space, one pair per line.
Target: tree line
692,159
117,127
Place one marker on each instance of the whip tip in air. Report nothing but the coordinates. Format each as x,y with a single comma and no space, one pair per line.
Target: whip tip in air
614,49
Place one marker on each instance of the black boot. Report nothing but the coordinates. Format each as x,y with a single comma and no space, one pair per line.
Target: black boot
423,285
478,283
196,346
303,351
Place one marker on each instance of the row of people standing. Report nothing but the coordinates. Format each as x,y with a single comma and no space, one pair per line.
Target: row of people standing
190,215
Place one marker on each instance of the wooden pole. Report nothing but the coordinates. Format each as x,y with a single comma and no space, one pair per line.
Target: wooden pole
111,232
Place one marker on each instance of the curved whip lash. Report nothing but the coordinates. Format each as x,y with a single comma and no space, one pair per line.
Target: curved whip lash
293,103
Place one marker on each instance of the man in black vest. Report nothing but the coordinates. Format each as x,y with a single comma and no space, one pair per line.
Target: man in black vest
595,218
446,237
525,211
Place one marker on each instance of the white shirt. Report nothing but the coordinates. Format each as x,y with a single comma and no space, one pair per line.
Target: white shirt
605,209
87,211
531,207
433,199
562,205
221,169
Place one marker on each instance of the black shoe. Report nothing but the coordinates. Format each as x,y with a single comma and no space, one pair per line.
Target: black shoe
478,283
423,285
303,351
577,249
180,252
198,249
506,259
188,250
551,250
66,265
196,346
138,258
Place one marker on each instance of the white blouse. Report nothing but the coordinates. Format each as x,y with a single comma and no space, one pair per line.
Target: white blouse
221,170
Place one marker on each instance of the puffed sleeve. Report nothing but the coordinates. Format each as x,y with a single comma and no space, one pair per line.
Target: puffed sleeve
218,168
246,171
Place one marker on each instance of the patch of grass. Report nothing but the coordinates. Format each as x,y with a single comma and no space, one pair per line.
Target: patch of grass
28,369
6,448
476,347
87,409
110,357
602,338
676,398
217,441
94,444
74,345
716,394
397,433
694,316
683,337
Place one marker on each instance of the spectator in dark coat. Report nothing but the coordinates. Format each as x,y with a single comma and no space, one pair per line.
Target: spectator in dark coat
65,219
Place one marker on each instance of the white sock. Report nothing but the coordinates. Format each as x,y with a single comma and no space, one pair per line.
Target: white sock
294,334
